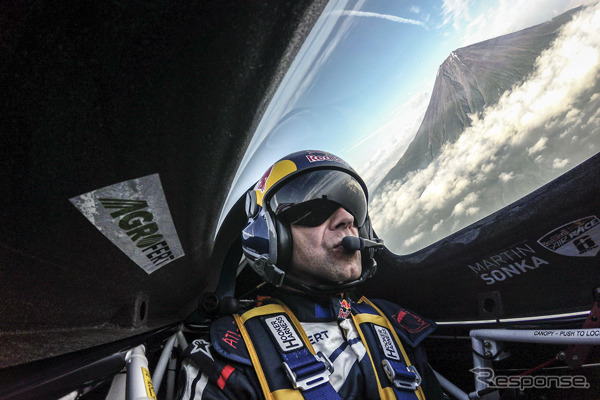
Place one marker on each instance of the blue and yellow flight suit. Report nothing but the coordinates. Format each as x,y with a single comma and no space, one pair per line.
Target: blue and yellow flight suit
225,368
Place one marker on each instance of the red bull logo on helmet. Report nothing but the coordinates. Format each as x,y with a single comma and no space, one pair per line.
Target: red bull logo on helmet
262,183
323,157
278,171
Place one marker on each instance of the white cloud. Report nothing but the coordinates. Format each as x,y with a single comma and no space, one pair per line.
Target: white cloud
452,188
437,226
571,117
539,146
506,176
414,239
559,164
465,205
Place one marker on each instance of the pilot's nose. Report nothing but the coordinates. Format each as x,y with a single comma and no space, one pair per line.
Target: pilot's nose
341,219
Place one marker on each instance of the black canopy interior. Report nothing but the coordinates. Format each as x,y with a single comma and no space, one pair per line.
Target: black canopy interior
93,94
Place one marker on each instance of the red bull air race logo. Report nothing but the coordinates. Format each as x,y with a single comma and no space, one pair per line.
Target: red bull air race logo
579,238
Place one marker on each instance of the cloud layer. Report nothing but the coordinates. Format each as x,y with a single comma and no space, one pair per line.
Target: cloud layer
535,133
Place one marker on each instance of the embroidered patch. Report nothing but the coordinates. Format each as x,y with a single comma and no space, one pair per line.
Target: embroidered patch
227,341
411,322
200,345
387,343
345,309
284,333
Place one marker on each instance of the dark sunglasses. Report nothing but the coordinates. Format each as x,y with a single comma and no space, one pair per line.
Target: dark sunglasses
310,214
309,199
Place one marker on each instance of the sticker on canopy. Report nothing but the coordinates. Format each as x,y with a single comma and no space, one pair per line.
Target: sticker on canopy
579,238
135,217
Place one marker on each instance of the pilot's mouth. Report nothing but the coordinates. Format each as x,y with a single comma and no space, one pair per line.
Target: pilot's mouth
338,248
341,249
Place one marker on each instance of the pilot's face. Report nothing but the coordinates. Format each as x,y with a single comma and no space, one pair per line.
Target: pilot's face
318,255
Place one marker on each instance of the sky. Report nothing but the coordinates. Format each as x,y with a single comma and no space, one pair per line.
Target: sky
359,88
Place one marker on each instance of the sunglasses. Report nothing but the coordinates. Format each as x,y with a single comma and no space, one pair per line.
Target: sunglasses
310,214
311,198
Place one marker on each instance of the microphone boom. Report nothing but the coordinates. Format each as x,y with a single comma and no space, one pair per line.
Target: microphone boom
353,243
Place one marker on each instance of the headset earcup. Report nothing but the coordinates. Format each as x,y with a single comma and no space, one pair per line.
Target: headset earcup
284,244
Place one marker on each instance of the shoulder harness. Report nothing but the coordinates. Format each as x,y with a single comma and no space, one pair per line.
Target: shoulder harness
276,342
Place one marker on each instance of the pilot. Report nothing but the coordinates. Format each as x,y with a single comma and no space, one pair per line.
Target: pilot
312,338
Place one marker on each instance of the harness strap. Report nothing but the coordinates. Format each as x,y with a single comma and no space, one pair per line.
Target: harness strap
254,357
396,367
308,373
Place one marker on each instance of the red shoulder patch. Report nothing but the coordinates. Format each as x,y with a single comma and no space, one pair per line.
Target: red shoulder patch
411,322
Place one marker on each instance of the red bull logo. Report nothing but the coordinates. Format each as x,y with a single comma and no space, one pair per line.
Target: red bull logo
262,183
273,175
345,309
327,157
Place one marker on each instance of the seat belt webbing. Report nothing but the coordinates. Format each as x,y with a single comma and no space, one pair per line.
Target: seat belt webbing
308,372
397,371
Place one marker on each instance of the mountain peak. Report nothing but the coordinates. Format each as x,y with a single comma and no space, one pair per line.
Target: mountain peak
470,79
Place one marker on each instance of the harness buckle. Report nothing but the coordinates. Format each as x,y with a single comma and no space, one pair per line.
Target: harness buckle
305,378
407,380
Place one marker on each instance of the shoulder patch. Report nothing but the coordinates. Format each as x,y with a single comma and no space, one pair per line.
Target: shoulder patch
412,327
228,342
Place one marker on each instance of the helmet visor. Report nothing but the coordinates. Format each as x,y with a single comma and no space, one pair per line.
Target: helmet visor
311,198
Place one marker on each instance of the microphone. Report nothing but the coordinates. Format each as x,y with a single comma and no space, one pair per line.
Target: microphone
353,243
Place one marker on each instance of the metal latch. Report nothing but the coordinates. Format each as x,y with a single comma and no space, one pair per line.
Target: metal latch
308,382
409,380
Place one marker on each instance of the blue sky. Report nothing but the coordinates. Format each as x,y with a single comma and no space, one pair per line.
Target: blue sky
361,83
